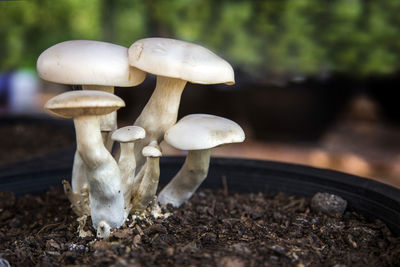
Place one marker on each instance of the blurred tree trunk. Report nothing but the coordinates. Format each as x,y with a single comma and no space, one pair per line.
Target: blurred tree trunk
155,28
108,20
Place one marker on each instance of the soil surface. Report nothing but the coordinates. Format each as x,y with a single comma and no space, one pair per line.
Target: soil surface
22,141
212,229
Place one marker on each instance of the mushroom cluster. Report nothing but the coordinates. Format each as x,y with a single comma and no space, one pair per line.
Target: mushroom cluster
109,188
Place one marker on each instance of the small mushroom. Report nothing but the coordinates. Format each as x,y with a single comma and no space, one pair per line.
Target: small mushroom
96,66
197,133
175,63
105,193
149,177
127,136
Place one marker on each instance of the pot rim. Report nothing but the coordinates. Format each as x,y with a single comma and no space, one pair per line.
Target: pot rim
370,198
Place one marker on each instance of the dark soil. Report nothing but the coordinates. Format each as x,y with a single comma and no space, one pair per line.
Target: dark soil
22,141
213,229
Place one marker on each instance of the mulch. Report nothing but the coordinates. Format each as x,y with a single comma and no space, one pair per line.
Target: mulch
212,229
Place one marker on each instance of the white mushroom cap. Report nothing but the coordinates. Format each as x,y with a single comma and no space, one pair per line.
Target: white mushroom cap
86,62
179,59
128,134
151,151
203,131
82,102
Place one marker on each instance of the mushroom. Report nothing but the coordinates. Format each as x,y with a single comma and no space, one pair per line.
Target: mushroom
96,66
148,182
103,175
197,133
127,136
175,63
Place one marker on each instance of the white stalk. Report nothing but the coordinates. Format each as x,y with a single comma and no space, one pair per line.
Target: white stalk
108,122
159,114
79,180
187,180
78,193
149,180
103,175
138,180
127,166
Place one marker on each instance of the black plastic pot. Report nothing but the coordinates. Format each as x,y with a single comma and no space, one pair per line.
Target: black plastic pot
371,198
63,126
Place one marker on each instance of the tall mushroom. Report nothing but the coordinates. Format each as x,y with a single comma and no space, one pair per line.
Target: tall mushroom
96,66
103,175
175,63
127,136
197,133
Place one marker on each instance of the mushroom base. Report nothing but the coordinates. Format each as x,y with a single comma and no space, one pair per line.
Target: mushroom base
187,180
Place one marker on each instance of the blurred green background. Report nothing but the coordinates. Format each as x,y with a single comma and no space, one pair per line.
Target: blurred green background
314,79
288,37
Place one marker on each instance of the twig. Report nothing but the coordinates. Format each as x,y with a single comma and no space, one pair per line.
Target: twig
44,227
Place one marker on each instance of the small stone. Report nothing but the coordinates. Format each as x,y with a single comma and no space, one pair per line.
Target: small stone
328,204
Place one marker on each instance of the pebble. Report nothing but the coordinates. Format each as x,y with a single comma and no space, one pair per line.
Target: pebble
328,204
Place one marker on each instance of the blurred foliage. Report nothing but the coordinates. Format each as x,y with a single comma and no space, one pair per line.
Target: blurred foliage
287,37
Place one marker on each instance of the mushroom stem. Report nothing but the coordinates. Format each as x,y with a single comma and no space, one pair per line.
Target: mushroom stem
127,166
149,182
78,180
159,114
127,163
103,175
108,122
187,180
